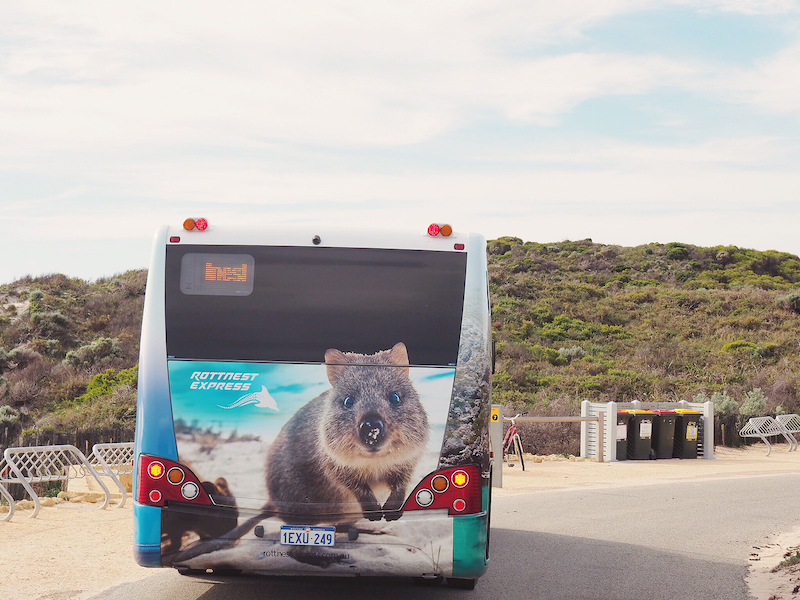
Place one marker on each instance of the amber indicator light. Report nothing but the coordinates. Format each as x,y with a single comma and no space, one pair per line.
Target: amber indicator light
175,475
440,483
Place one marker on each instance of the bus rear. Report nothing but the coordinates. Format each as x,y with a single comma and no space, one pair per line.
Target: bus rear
315,403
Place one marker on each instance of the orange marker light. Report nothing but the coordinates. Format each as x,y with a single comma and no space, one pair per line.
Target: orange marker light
446,230
440,483
188,224
155,470
175,475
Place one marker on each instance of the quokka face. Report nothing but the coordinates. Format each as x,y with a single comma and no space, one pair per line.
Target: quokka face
373,410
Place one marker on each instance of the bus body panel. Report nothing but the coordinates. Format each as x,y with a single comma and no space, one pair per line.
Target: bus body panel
469,537
224,420
147,535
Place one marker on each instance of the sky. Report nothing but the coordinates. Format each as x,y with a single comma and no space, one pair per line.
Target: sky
627,122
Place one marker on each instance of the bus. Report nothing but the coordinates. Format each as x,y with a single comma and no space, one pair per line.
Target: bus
315,403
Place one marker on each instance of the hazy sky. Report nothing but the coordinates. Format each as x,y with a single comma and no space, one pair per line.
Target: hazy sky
624,121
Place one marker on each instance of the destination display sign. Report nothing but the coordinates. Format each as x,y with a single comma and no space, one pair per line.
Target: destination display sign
210,274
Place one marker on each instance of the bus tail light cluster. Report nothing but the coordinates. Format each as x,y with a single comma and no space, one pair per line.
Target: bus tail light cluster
162,480
435,229
440,230
198,224
458,490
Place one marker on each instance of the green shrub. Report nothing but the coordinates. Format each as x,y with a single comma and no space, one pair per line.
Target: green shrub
740,345
104,383
724,404
571,353
51,324
677,252
568,328
89,354
754,404
8,416
790,302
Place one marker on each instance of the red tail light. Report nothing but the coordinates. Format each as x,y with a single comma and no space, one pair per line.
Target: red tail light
199,224
458,490
162,480
435,229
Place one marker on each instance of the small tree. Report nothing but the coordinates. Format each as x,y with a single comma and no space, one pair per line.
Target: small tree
754,404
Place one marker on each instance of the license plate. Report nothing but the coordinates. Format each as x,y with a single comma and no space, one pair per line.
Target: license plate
307,536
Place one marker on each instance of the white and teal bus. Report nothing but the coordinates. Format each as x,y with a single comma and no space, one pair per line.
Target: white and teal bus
315,403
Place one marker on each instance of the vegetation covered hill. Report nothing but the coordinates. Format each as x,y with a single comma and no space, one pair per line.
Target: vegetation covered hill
68,356
572,321
663,322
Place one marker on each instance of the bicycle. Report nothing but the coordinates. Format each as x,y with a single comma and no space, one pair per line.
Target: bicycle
512,445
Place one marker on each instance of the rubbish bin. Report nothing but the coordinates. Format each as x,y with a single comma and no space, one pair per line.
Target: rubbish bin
622,434
640,434
664,433
687,428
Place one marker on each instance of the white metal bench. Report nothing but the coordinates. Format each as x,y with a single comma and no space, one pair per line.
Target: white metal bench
765,427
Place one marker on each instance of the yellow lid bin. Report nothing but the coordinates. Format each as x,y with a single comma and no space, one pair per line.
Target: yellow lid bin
687,432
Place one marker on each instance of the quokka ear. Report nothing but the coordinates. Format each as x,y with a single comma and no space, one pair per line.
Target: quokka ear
398,355
335,362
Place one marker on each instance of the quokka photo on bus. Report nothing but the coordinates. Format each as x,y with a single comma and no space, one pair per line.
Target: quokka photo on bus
315,403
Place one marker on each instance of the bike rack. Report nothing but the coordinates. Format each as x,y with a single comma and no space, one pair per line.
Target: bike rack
112,460
765,427
41,464
792,425
4,478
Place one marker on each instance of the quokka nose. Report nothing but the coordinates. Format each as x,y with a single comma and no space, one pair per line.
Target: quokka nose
372,430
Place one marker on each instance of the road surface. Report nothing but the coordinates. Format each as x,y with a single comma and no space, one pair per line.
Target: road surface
689,540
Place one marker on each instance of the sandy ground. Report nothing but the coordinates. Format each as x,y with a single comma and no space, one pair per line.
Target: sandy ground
74,550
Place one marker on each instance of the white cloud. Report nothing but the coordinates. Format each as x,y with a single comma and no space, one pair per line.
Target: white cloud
772,84
136,113
93,75
747,7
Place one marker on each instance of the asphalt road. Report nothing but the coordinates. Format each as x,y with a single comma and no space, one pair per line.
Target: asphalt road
687,541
